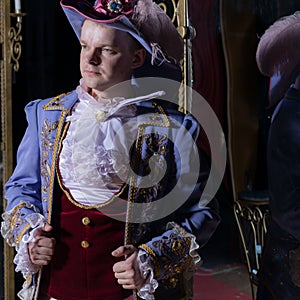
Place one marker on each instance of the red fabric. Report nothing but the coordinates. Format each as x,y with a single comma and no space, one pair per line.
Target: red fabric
209,71
85,273
206,287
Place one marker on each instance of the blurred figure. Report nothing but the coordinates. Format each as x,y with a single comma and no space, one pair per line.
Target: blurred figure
278,57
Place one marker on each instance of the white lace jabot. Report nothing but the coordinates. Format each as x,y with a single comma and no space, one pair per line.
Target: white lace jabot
94,158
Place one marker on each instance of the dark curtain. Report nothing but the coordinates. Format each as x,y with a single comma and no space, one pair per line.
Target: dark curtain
209,75
208,60
49,62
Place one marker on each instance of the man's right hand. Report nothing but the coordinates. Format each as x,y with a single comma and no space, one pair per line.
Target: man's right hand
42,249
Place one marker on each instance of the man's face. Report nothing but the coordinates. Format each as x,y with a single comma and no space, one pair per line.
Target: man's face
107,56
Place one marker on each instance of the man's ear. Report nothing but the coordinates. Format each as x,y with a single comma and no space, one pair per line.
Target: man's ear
138,58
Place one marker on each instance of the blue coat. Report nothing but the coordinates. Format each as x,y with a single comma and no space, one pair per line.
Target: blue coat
31,186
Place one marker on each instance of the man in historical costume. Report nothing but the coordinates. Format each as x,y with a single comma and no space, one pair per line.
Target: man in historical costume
278,57
105,200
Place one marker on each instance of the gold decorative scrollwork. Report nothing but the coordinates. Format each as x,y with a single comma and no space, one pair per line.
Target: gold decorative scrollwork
10,40
252,233
251,214
177,10
166,5
15,39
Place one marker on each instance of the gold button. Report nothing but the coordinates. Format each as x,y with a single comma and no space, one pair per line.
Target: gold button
86,221
85,244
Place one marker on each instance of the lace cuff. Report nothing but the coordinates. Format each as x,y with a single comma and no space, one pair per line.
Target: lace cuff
146,269
189,271
6,230
14,225
22,259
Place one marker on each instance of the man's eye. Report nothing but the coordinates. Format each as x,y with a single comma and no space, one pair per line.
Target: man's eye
108,50
83,46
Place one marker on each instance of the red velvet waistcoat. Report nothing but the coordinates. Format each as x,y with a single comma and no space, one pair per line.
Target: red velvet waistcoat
82,264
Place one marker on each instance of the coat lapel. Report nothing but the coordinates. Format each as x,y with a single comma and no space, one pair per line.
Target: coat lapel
53,116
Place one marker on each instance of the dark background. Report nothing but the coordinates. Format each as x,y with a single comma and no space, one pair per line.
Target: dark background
49,63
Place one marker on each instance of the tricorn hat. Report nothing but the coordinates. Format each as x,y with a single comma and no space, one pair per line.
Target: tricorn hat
278,54
143,19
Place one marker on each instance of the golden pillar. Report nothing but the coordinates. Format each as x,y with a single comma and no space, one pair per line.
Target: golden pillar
10,40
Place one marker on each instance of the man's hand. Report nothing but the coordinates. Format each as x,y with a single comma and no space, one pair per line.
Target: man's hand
127,271
42,249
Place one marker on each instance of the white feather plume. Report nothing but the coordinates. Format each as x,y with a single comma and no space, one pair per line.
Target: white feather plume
158,28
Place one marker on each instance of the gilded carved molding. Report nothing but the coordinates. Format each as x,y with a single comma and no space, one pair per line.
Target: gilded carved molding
177,10
10,40
15,39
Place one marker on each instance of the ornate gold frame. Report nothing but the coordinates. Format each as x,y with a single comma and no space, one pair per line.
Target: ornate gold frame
181,19
6,130
10,40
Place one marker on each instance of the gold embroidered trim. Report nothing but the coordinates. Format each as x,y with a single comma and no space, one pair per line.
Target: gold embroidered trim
53,163
28,280
70,198
13,212
164,123
161,110
148,249
132,188
37,283
55,103
152,253
19,238
20,205
47,146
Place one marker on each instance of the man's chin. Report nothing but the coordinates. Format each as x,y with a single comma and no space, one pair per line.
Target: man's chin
95,85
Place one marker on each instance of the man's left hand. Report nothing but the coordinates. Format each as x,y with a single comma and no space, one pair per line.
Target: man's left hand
127,271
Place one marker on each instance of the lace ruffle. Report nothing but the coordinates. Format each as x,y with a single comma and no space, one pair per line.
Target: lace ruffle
146,269
6,226
188,273
94,162
6,229
26,293
22,259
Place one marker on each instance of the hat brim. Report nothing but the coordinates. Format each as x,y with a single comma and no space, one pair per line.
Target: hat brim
78,11
74,12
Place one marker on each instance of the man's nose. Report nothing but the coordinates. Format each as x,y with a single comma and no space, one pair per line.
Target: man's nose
95,58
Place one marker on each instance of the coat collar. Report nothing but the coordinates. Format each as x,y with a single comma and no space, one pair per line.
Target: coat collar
157,116
62,102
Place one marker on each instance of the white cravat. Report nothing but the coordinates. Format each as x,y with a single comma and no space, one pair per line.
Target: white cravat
94,161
